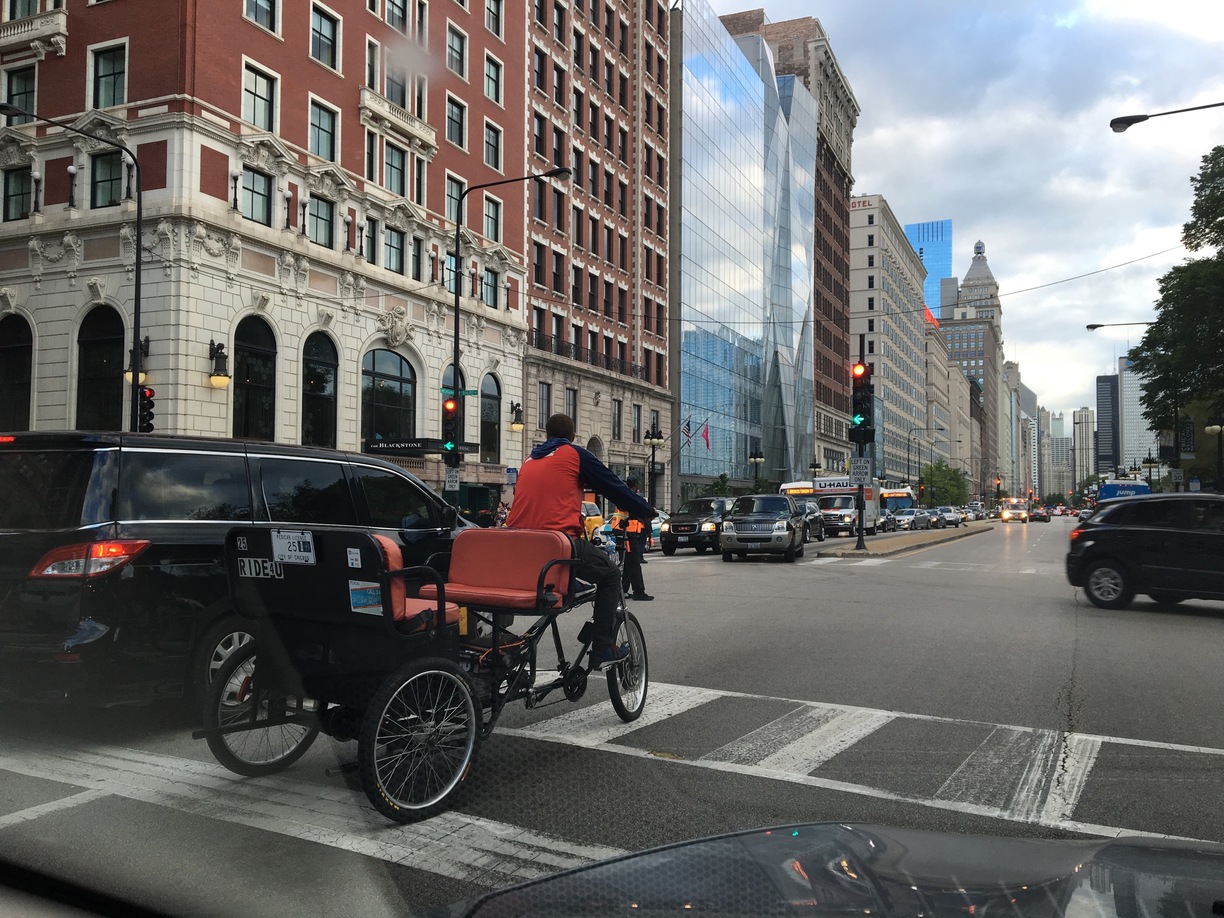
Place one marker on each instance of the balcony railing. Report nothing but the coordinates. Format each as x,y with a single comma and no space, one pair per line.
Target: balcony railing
571,351
378,107
40,33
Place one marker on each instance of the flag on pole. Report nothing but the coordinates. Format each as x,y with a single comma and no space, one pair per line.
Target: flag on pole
687,430
705,433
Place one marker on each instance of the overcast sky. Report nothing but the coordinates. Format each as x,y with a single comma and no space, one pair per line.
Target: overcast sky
995,114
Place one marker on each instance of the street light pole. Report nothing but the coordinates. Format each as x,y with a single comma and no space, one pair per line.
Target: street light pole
756,457
453,458
909,440
1121,123
1217,427
654,438
7,108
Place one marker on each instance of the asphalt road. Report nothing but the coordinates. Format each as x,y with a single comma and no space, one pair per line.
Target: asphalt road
964,686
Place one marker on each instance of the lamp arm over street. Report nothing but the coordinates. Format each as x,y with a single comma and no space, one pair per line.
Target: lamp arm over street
1122,122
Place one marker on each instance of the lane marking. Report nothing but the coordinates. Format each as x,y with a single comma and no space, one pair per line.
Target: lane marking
52,806
808,753
868,562
466,848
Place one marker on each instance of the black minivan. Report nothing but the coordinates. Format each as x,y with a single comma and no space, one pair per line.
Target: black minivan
112,579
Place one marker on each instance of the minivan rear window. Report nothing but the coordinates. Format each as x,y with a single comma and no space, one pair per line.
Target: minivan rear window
52,489
183,486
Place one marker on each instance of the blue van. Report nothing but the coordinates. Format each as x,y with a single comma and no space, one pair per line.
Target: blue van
1122,488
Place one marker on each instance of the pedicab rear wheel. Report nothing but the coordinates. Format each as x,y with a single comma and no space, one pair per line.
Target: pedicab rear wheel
242,693
418,739
629,681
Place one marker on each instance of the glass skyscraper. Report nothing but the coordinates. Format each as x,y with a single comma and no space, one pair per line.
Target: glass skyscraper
747,204
932,241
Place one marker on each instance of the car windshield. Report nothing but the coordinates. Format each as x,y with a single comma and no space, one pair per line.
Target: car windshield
297,298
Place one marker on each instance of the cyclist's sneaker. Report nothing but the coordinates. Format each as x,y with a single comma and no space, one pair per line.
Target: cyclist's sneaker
642,597
605,655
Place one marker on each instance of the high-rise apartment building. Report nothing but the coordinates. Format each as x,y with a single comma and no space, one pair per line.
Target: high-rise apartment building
932,240
1108,420
1083,446
802,47
886,307
1137,441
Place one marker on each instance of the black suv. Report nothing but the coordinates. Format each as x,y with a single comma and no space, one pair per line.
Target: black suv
695,525
112,582
1169,546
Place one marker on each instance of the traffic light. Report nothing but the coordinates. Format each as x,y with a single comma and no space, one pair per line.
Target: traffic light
998,485
450,429
144,414
862,401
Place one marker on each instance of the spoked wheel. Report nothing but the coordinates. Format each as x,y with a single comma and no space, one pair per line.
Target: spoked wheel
418,739
243,694
628,681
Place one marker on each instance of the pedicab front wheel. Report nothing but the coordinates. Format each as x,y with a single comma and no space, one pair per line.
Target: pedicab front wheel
418,739
628,681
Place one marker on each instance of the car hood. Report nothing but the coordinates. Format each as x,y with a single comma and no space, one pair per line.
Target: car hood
694,517
827,869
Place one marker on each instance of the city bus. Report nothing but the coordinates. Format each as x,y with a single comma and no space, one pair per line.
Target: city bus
894,499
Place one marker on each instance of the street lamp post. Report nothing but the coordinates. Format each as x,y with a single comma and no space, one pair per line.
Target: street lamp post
654,438
1121,123
7,108
1150,462
452,459
1095,325
1217,427
756,458
909,440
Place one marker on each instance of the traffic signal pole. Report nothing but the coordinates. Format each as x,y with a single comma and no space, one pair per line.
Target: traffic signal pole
861,430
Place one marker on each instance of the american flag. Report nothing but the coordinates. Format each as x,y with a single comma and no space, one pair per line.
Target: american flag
687,430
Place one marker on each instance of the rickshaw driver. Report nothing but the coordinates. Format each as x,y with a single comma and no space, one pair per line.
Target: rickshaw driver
548,495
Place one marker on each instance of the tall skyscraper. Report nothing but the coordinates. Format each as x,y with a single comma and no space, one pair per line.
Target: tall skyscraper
932,241
1083,449
1137,440
1109,455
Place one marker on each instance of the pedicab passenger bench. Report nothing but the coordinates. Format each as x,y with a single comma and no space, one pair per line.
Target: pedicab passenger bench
335,601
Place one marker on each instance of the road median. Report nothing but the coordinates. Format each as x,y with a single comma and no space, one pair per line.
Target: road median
899,544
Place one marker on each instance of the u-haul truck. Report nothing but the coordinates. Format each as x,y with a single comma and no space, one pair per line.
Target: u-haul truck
837,500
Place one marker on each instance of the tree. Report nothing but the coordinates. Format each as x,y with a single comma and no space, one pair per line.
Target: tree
719,487
1179,357
945,485
1054,498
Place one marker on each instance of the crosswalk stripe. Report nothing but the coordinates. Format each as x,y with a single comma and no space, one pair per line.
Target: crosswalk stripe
52,806
1010,771
764,742
831,560
1077,755
597,724
868,562
810,752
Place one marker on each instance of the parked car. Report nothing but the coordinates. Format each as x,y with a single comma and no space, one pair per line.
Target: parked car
937,519
1084,513
112,577
762,523
592,521
695,525
813,521
888,521
1169,546
913,518
951,516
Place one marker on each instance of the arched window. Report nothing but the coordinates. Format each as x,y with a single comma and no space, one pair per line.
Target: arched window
319,367
254,380
448,382
490,420
388,397
16,363
100,371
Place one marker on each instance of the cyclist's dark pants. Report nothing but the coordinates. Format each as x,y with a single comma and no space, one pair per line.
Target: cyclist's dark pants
594,566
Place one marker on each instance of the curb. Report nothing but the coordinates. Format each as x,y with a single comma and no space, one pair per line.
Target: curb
910,542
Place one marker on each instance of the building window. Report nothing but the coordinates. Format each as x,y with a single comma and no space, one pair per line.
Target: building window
395,163
322,222
262,12
558,272
491,288
397,15
369,241
19,91
537,133
871,219
322,131
870,281
493,146
493,80
871,261
393,250
870,239
558,84
397,86
618,411
259,99
492,219
543,404
637,423
493,16
372,63
254,380
871,302
106,179
17,193
257,196
109,77
388,397
571,404
490,420
320,365
100,371
454,192
456,51
418,258
418,181
16,372
456,122
324,34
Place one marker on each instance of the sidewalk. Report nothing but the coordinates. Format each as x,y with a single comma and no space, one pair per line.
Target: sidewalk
895,545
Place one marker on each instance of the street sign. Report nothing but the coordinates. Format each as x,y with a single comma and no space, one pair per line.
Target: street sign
447,390
1196,484
512,476
452,480
1176,476
860,471
419,445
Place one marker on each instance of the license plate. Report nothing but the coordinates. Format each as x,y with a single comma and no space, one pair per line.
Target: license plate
293,546
681,538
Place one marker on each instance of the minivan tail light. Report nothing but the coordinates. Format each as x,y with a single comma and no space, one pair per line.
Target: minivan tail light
88,559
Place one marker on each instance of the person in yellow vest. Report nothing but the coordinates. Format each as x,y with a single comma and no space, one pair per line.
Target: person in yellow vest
634,537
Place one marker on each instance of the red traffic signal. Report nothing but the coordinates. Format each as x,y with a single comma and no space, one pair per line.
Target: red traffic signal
449,406
144,413
859,371
998,481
